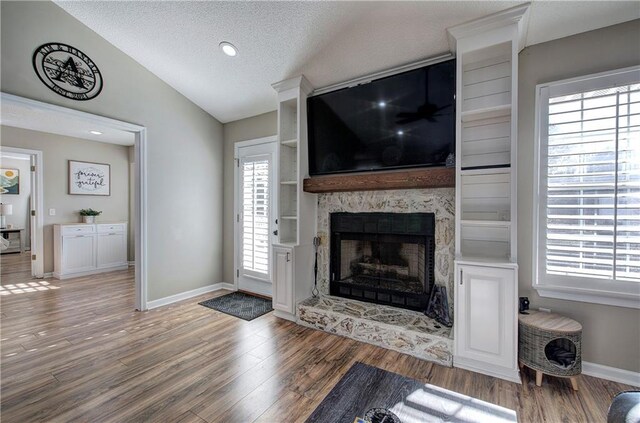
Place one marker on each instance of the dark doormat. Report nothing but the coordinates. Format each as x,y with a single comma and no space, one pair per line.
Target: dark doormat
240,305
379,396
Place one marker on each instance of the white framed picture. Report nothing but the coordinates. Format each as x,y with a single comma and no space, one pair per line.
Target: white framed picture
86,178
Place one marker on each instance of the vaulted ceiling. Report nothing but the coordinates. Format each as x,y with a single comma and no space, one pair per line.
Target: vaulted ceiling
328,42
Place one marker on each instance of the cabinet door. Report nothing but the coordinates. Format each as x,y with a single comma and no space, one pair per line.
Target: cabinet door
283,280
486,315
78,253
112,249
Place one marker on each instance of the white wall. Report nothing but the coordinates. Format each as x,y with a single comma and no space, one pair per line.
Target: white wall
185,144
57,150
611,335
20,202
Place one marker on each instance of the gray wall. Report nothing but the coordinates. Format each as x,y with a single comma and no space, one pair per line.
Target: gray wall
611,335
56,151
21,201
185,144
259,126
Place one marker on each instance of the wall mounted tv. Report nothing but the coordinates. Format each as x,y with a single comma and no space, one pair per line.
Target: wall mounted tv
401,121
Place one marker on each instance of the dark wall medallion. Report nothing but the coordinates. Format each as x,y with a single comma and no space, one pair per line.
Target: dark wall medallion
67,71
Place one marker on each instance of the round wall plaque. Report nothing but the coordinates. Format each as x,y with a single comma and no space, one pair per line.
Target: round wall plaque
67,71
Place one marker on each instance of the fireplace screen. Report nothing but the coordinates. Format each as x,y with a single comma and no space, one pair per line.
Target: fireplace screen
396,266
384,258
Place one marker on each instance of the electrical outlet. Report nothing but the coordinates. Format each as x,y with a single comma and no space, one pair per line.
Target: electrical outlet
52,212
546,310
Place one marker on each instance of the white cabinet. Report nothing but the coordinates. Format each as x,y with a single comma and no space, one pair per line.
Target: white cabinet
292,278
83,249
112,249
486,319
79,252
283,279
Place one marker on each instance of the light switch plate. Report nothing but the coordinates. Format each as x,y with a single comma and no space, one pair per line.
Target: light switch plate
52,212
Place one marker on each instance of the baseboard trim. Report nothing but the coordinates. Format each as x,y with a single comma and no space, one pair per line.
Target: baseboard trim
189,294
285,315
47,275
611,373
512,375
89,272
228,286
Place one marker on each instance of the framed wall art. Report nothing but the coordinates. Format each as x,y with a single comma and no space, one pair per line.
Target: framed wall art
9,181
86,178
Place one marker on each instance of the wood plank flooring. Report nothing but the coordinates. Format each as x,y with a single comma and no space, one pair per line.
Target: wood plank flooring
75,350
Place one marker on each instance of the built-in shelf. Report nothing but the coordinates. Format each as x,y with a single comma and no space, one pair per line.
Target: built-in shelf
486,113
287,242
494,261
289,183
489,223
436,177
290,143
488,167
289,217
485,171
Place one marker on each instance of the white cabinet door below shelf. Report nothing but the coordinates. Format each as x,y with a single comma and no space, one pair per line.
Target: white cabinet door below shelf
78,253
112,249
485,322
283,279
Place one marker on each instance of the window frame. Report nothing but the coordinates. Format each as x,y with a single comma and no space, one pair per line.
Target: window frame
592,290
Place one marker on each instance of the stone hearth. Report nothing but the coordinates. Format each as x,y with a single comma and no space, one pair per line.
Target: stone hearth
401,330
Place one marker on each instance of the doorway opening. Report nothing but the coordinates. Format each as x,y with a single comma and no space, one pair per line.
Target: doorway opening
21,197
23,113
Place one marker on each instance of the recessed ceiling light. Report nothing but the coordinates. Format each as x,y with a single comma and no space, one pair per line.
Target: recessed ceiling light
228,49
95,132
400,132
382,104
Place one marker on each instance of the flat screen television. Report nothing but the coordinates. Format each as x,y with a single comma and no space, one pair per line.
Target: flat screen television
401,121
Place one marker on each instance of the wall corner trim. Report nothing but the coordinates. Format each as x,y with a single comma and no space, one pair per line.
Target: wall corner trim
611,373
189,294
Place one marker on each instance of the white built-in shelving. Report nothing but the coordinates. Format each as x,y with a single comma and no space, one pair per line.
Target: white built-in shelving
296,222
486,149
486,269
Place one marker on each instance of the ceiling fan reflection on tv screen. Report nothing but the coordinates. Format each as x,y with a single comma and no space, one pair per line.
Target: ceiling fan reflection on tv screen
401,121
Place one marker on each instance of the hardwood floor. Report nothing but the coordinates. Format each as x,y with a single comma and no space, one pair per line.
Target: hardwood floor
75,350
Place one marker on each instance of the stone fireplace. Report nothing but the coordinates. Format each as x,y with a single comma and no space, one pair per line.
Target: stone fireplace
396,324
383,258
438,201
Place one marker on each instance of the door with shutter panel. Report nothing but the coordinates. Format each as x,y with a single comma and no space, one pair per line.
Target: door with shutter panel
255,167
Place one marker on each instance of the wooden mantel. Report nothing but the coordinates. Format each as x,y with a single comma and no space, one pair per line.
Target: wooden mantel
435,177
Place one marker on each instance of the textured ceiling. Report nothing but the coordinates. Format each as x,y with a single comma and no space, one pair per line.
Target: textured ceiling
56,123
328,42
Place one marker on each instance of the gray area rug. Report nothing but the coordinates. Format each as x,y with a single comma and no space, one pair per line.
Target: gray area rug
241,305
368,392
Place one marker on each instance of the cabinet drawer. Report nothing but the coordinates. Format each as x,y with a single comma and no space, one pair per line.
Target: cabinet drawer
79,229
111,227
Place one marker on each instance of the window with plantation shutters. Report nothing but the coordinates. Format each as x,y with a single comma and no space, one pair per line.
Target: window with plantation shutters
255,215
588,194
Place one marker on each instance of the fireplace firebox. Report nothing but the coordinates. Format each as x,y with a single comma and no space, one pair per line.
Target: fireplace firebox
383,258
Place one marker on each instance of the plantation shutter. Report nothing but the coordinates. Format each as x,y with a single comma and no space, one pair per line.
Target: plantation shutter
255,215
591,166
